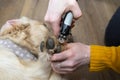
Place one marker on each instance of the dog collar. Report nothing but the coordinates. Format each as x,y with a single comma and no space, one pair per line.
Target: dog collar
18,50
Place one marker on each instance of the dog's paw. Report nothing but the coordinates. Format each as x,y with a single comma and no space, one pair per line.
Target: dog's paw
51,45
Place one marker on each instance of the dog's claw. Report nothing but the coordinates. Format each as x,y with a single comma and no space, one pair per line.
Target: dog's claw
58,49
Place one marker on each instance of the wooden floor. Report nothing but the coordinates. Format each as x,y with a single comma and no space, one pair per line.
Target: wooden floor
89,28
96,15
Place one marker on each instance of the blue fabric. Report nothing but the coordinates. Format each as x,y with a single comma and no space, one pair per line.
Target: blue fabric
112,33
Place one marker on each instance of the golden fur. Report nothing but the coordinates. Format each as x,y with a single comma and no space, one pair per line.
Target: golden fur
28,34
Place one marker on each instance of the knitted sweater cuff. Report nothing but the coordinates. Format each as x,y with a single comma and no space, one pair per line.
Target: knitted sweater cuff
100,57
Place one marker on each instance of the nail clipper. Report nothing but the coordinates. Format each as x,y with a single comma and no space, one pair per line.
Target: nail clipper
65,27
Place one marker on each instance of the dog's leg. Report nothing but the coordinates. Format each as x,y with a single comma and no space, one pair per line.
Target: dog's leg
56,76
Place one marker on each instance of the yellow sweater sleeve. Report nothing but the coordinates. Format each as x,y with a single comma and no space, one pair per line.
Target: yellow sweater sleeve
104,57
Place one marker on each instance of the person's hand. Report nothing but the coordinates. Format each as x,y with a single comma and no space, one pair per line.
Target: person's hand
57,8
75,55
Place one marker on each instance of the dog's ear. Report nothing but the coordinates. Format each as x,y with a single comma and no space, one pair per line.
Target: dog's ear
5,27
14,24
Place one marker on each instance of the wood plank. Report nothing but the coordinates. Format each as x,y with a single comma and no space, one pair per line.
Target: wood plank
10,9
96,15
35,9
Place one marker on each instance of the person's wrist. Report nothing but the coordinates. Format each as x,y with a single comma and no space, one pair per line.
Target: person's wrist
87,55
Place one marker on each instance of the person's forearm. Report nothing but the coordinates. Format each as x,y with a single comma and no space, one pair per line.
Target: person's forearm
104,57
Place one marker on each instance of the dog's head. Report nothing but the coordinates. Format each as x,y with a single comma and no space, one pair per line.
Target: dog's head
26,33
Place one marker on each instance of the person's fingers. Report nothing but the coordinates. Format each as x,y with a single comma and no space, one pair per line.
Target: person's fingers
64,54
58,69
68,64
76,11
59,57
56,28
54,21
68,46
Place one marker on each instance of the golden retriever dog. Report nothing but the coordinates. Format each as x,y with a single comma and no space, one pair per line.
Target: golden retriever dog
23,54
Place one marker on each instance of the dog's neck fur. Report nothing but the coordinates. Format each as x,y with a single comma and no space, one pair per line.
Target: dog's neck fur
26,37
21,36
18,50
44,65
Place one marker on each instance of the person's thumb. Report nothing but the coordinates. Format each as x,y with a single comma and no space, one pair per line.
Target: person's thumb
76,11
63,55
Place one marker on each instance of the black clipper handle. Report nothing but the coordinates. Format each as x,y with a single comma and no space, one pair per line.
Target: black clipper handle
65,26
